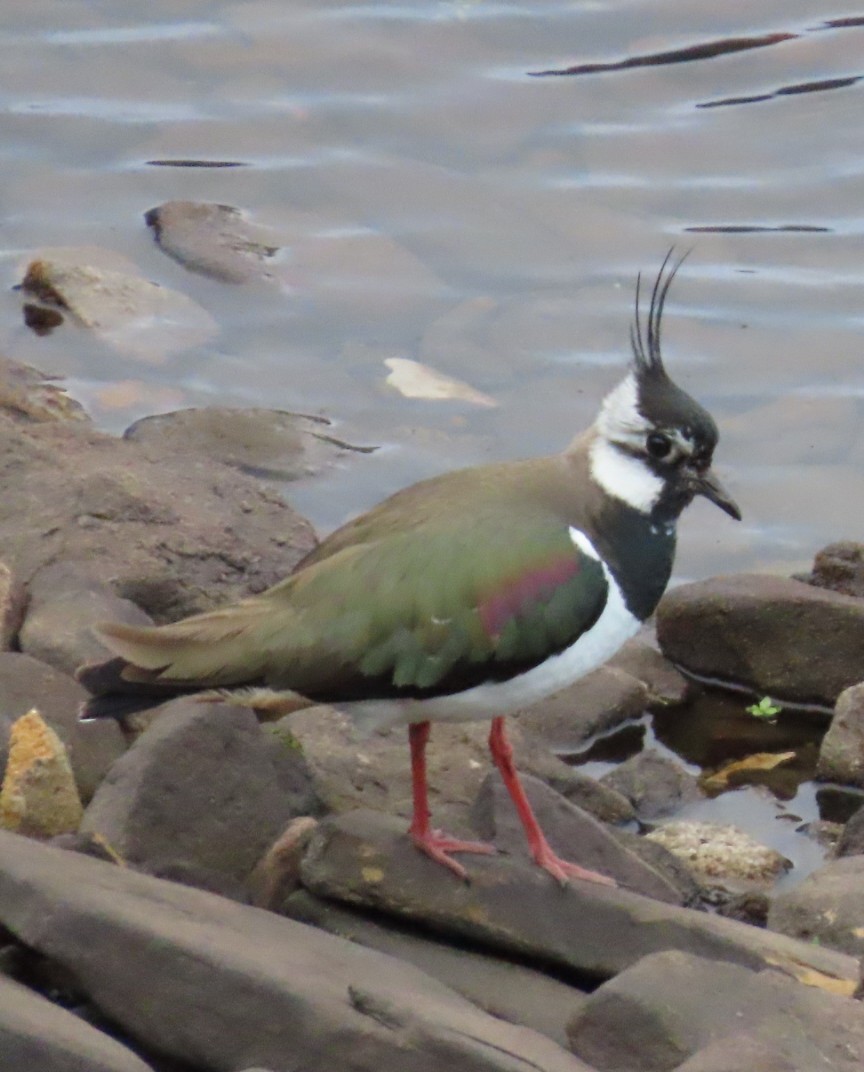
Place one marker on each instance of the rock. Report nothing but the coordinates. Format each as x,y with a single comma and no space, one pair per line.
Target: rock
653,783
126,311
510,991
600,701
839,567
173,536
92,747
277,873
413,380
669,1006
262,442
720,854
841,754
214,984
38,1036
851,841
598,799
38,797
28,395
573,834
363,859
12,601
66,599
201,795
779,637
826,907
667,687
216,240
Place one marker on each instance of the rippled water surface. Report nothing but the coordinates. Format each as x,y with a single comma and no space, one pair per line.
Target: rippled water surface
473,185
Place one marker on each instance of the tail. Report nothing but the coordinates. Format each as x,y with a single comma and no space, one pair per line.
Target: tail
221,648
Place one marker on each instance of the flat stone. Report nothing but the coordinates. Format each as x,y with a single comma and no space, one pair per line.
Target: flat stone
667,686
777,636
26,682
600,701
222,985
841,753
573,834
364,859
510,991
826,907
38,1036
665,1009
200,795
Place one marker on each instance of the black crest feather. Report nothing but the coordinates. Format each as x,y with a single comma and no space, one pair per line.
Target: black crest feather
647,356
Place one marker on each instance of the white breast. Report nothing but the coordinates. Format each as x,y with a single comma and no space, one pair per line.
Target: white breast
615,625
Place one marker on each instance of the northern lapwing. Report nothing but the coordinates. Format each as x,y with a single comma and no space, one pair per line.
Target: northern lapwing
467,596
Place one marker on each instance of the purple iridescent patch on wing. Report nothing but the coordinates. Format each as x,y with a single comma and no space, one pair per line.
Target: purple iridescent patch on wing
517,595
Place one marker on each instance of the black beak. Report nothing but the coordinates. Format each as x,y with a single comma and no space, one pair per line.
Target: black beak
708,485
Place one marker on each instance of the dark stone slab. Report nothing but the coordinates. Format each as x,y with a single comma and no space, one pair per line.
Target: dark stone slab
221,985
365,860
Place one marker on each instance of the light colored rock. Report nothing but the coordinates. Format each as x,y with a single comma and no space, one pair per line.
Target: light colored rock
38,797
720,854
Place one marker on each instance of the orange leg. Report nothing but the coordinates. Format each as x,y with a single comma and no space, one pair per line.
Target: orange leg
435,844
502,753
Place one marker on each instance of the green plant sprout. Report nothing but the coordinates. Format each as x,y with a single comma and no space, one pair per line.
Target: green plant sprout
765,708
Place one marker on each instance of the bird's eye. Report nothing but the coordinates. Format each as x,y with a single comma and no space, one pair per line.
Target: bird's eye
658,445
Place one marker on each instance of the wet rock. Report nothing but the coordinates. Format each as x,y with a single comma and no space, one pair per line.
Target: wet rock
750,907
221,985
29,395
12,602
262,442
66,599
92,747
201,795
216,240
721,855
573,834
175,537
38,796
39,1036
601,701
598,799
653,783
780,637
841,753
363,859
413,380
851,841
667,687
670,1006
839,567
510,991
826,907
125,310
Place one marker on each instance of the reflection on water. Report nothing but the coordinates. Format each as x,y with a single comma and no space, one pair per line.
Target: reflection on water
441,204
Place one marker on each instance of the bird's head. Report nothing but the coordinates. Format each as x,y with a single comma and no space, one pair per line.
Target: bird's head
654,444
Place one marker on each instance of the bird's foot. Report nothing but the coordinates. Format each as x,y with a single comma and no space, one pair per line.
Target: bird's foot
438,846
563,870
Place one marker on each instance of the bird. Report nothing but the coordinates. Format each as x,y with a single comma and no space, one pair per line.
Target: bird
467,596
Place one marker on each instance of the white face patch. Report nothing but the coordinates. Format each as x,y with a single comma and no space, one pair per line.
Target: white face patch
619,419
624,476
